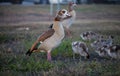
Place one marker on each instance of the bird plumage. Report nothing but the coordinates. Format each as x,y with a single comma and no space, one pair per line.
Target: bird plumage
68,22
101,51
51,38
80,48
88,35
113,51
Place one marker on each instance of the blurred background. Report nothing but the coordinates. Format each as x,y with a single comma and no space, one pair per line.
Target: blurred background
59,1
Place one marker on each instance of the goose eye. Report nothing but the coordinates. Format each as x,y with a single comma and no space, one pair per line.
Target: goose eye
63,11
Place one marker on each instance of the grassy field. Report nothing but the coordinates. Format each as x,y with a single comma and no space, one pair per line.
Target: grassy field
15,40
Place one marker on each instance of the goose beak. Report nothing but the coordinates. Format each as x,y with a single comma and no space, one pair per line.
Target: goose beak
74,5
69,16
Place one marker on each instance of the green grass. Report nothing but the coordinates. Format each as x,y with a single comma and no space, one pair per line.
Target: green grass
23,63
14,43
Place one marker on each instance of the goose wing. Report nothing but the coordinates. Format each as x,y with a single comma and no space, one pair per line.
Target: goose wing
46,35
42,37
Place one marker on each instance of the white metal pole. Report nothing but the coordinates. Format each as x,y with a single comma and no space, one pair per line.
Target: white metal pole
58,5
51,9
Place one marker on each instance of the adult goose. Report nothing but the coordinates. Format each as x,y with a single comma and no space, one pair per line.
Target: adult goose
52,37
68,22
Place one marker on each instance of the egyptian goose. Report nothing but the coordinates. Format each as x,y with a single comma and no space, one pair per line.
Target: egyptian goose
88,35
80,48
96,44
113,51
101,51
102,42
68,22
109,41
51,38
101,45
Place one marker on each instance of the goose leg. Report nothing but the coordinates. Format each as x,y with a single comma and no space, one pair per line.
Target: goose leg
49,56
73,56
68,32
80,58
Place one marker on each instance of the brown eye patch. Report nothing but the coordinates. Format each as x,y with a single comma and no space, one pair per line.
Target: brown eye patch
63,11
60,13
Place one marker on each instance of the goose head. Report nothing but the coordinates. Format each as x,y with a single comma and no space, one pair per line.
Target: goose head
75,44
72,5
62,15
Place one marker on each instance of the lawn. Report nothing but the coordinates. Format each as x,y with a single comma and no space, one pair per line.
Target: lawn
15,40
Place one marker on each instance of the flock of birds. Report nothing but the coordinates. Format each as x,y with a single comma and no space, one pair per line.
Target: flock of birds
54,35
105,47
